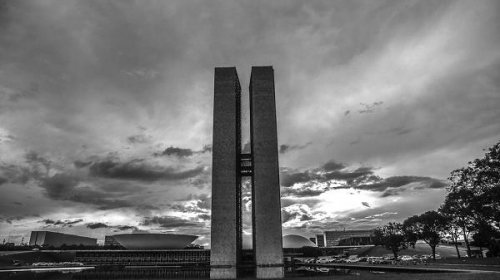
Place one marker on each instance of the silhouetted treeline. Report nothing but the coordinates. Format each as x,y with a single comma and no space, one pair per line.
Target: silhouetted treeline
471,210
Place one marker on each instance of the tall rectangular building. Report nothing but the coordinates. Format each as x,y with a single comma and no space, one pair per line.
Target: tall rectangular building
226,193
267,236
229,165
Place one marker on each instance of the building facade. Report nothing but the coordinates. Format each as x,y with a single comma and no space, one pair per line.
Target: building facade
144,257
348,237
56,239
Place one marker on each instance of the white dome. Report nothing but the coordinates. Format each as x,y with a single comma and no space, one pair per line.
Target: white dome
297,241
151,241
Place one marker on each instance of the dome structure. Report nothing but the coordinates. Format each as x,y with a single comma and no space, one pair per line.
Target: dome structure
297,241
150,241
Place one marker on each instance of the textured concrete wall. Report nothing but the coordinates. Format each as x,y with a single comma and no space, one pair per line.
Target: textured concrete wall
225,152
266,187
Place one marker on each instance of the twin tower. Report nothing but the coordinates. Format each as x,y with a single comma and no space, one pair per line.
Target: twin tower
230,165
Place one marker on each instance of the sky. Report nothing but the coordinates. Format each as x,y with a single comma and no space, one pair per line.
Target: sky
106,109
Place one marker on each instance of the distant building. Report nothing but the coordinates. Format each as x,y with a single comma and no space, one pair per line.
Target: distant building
348,237
149,241
56,239
320,240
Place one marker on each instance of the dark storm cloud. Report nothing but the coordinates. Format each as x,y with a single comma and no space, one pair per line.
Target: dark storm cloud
59,186
139,170
168,222
175,151
138,139
391,192
134,228
35,167
332,166
285,148
61,223
205,217
289,179
305,190
183,153
398,181
3,180
116,228
63,186
96,225
317,181
329,171
366,204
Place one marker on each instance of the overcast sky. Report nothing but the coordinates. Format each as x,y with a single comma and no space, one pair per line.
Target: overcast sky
106,108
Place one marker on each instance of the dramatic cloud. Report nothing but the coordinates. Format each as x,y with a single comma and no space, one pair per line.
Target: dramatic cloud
333,166
398,181
284,148
329,171
106,226
67,187
104,106
96,225
333,175
138,139
177,152
182,153
168,222
138,170
194,204
65,223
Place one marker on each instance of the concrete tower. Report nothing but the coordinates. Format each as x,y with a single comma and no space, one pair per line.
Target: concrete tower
229,166
226,190
268,248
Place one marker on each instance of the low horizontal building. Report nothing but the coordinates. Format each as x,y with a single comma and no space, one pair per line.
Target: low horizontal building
194,257
348,237
56,239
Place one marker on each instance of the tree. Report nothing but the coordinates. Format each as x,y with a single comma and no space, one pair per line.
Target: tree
487,183
486,236
457,207
392,237
474,196
454,232
431,227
